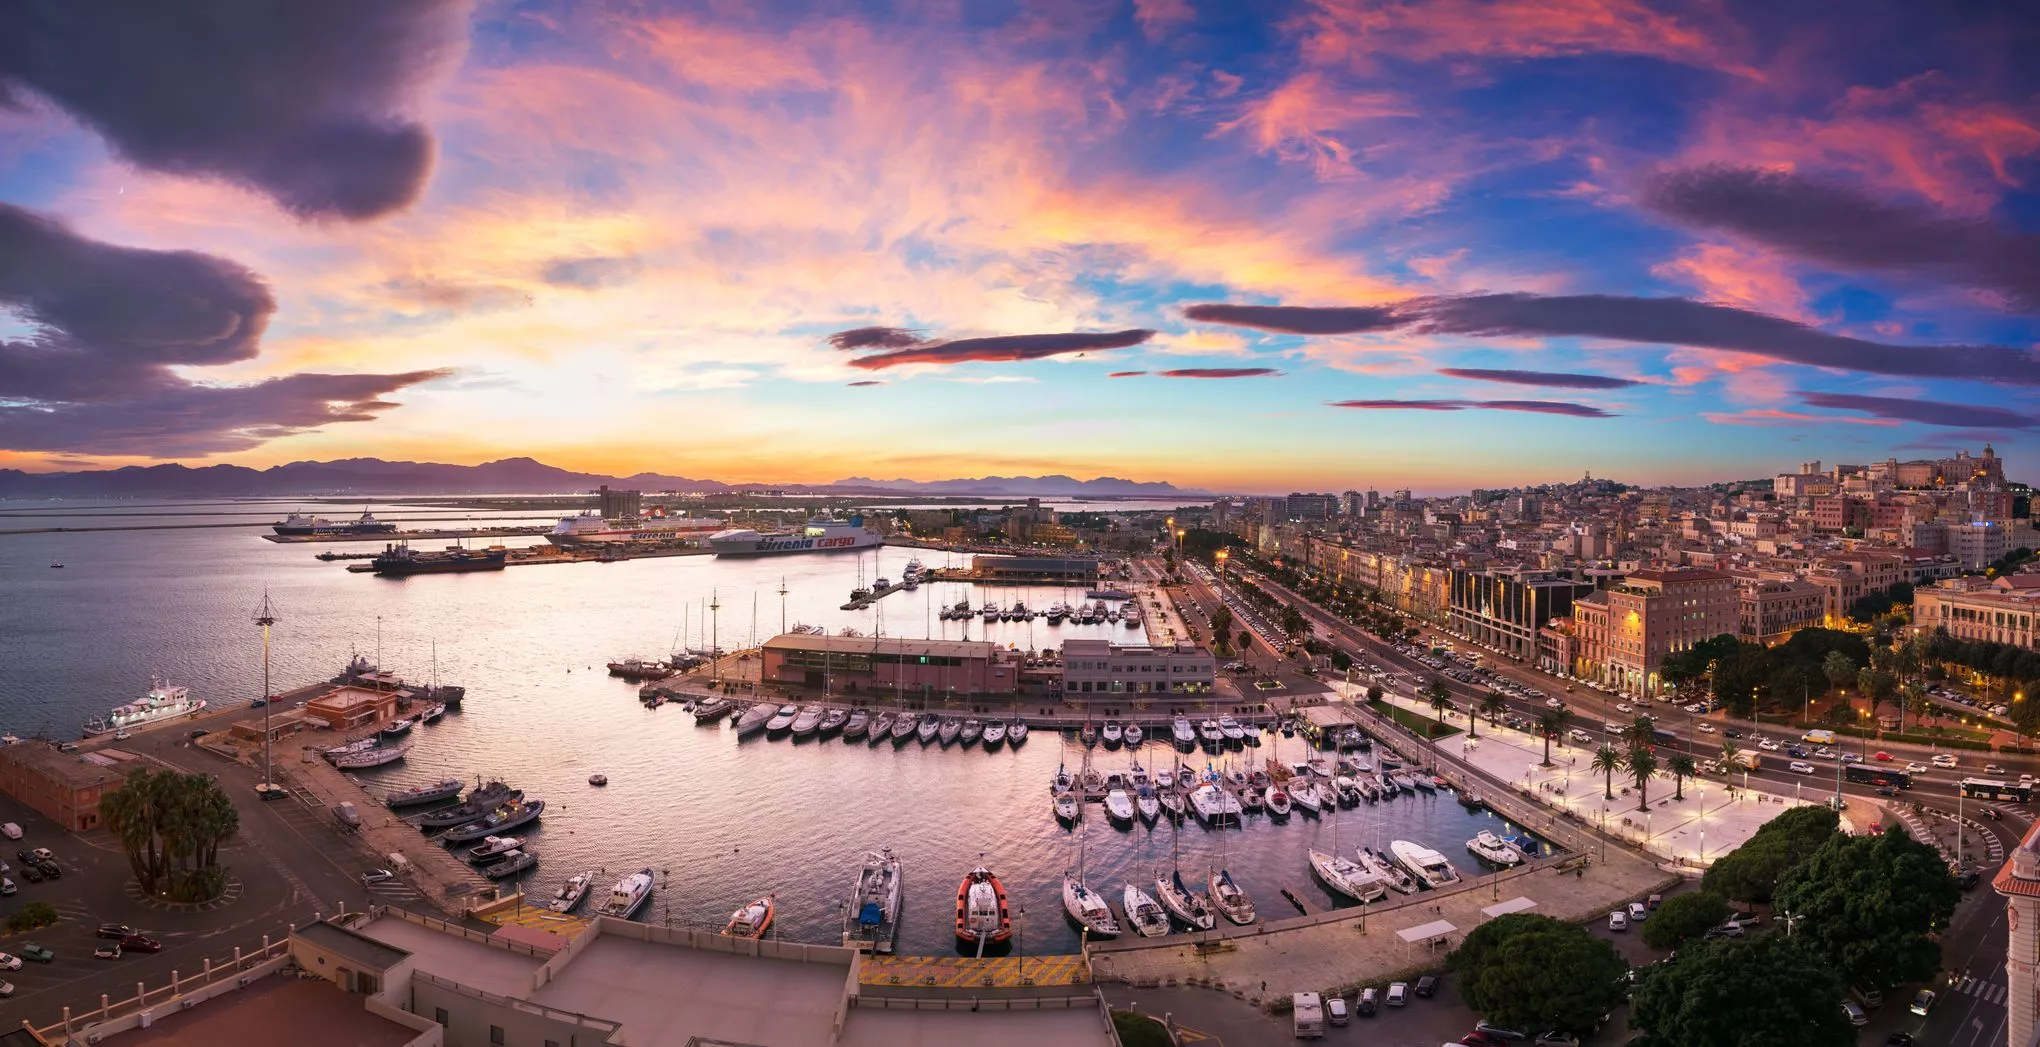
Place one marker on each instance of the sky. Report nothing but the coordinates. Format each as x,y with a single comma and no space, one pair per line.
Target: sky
1236,246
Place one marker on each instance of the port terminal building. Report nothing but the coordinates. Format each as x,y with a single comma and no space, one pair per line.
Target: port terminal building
1101,667
886,666
1050,570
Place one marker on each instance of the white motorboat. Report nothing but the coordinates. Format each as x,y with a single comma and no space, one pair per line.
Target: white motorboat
1348,791
1113,733
881,728
1494,850
1390,873
754,718
751,921
982,917
1016,733
1230,899
872,920
971,731
1119,807
1090,911
1214,806
493,847
1230,729
783,719
370,758
1347,877
1278,802
1172,803
995,734
1210,733
808,721
629,895
1183,903
1068,808
1148,919
1146,803
570,893
1165,778
1428,866
1321,766
1134,735
1182,733
948,730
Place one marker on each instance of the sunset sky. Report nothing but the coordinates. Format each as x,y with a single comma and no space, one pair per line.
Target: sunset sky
1237,246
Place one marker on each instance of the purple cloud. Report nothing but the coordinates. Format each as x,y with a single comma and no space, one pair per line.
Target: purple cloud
1841,227
302,102
1666,321
1927,412
1531,406
1221,372
1552,379
1126,374
1004,348
876,338
591,272
866,383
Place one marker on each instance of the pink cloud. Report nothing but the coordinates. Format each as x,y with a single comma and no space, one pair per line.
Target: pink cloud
1769,417
1159,18
1354,32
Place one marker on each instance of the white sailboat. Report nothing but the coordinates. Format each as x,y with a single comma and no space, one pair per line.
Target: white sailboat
1391,874
1347,877
1147,918
1087,907
1181,902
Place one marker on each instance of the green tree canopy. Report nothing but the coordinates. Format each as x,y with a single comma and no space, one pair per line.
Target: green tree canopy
1866,904
1750,873
1682,918
171,826
1760,992
1526,971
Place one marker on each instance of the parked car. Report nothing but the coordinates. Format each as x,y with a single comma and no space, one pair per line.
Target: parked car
31,874
375,876
6,989
9,962
1335,1010
1637,913
1398,994
40,954
116,931
50,870
11,831
1855,1014
1427,986
109,951
1618,921
7,886
1496,1032
1654,901
40,854
141,943
1368,1002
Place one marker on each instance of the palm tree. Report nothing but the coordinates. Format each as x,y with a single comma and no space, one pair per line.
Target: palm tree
1494,706
1642,764
1728,752
1640,732
1551,723
1607,760
1293,621
1680,767
1839,669
1441,699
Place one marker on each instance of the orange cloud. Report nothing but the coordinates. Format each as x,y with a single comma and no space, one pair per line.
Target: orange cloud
1738,276
1300,121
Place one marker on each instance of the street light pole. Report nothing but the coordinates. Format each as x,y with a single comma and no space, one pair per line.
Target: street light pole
265,616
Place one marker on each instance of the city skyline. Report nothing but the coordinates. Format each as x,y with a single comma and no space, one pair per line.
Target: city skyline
1321,246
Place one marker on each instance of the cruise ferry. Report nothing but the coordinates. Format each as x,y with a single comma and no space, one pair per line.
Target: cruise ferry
300,524
590,528
823,534
163,702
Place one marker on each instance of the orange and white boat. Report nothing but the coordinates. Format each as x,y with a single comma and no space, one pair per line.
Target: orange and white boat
982,917
751,921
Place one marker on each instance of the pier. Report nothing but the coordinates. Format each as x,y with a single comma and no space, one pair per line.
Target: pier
515,531
614,552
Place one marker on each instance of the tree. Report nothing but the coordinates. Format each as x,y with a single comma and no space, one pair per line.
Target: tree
1867,905
1494,705
1526,971
1751,872
1294,624
1374,692
1246,641
31,916
1642,764
1221,623
1758,992
1441,699
171,826
1608,760
1640,732
1551,723
1684,917
1341,661
1680,767
1839,668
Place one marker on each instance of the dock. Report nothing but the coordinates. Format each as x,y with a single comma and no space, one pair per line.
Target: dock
550,554
877,594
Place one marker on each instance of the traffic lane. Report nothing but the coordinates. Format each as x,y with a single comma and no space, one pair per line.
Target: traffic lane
1970,1011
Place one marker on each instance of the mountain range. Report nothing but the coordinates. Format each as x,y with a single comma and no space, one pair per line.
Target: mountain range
353,476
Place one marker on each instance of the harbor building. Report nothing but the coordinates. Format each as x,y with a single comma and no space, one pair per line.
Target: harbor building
619,505
1053,570
63,787
1101,667
347,706
886,666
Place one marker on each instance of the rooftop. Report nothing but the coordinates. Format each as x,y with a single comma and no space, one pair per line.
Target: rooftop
868,1027
665,996
68,769
344,697
887,644
302,1012
454,958
363,950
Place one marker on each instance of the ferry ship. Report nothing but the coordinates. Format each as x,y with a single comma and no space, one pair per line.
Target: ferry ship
823,534
300,524
163,702
590,528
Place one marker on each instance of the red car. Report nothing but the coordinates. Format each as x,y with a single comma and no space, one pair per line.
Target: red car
1881,755
141,943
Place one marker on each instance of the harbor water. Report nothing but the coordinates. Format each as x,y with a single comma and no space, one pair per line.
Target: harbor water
723,822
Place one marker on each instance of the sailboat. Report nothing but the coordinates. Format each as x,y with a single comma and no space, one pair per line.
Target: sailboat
1390,873
1230,899
1181,902
1146,917
1090,910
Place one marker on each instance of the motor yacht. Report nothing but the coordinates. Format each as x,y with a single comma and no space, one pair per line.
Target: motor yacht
1347,877
1428,866
1494,850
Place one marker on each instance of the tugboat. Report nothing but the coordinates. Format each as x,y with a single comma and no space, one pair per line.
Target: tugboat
399,560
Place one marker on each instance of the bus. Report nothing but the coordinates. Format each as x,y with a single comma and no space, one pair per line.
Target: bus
1868,775
1663,739
1991,789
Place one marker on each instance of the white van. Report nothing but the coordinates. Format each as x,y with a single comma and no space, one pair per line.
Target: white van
11,831
1307,1010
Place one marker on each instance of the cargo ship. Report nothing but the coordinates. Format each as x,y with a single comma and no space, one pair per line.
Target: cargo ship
590,528
300,524
398,559
823,534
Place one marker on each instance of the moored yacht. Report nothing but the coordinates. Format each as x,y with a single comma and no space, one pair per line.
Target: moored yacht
1390,873
1134,735
1068,808
881,728
754,719
949,729
493,848
1183,903
808,721
1230,729
972,730
858,723
629,895
1087,908
1182,733
1278,802
570,893
1113,734
1214,806
751,921
930,728
1119,807
872,920
995,735
512,815
1229,898
1016,733
445,788
1209,732
1347,877
1147,918
1147,804
783,719
1428,866
1494,850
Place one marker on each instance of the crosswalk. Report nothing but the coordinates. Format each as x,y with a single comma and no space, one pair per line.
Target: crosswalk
397,890
1988,992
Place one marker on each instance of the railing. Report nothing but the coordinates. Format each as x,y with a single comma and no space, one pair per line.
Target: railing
973,1003
457,930
213,979
602,1025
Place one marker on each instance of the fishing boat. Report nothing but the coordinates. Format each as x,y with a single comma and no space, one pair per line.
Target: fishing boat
509,816
569,894
628,896
477,805
1389,872
1148,919
1147,804
1471,800
445,788
880,728
370,758
1068,808
1493,850
1087,908
1183,903
1229,899
832,720
857,725
872,920
1134,736
638,670
750,921
755,718
971,731
948,730
396,728
709,710
1113,734
1347,877
995,735
808,721
513,863
1119,807
493,848
782,720
1278,802
982,918
929,731
1428,866
1182,733
1016,733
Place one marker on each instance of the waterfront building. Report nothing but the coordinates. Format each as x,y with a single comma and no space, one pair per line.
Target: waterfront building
886,666
1625,632
1052,570
347,706
1503,608
1770,611
1095,667
63,787
2006,610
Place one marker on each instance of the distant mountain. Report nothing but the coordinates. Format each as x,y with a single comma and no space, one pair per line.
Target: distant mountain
364,476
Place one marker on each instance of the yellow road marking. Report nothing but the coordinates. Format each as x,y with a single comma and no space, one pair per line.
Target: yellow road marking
959,972
539,919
